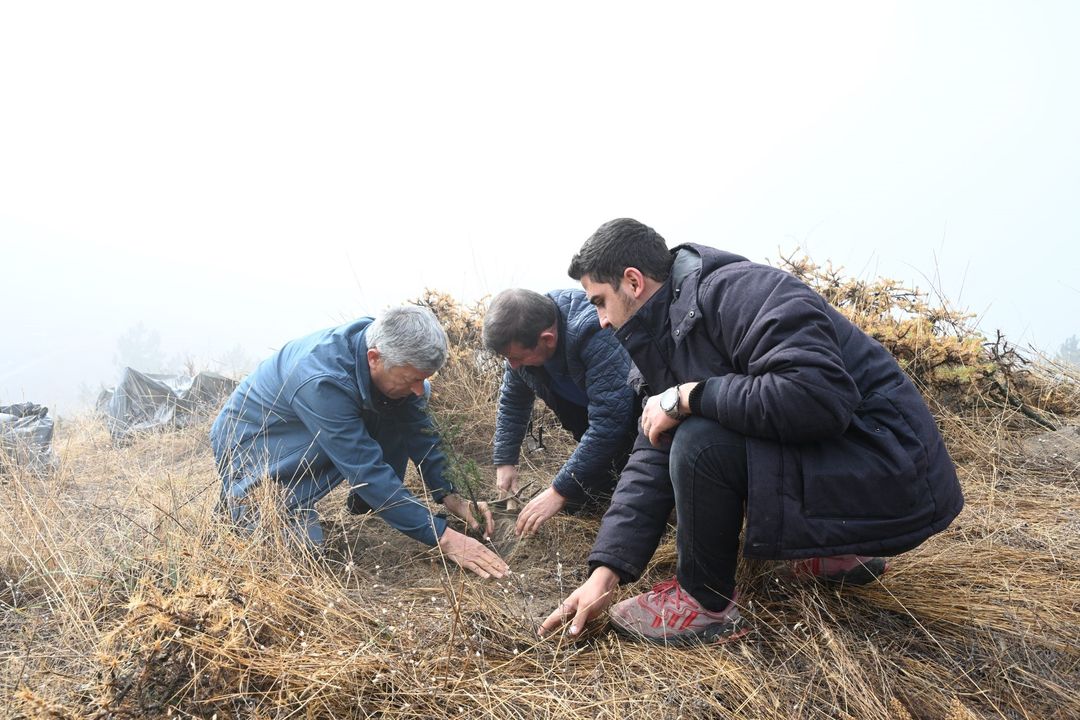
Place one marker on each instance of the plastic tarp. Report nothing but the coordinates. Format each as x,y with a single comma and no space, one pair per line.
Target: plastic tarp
143,402
26,432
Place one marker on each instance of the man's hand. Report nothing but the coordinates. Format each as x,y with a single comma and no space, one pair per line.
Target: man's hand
506,480
539,510
585,603
462,508
471,554
655,423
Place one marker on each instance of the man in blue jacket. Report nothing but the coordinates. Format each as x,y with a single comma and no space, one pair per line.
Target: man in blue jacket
766,399
348,404
556,350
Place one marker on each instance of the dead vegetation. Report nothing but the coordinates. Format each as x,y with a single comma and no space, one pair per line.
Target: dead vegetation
123,597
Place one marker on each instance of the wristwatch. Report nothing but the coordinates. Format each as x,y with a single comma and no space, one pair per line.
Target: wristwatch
669,403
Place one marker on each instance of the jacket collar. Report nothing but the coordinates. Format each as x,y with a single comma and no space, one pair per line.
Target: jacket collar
363,372
672,310
684,312
647,338
557,361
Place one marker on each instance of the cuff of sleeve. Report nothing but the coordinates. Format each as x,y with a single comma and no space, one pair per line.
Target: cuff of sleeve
568,487
694,399
438,527
709,399
506,457
626,573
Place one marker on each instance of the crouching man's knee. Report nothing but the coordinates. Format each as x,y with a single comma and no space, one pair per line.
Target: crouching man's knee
703,448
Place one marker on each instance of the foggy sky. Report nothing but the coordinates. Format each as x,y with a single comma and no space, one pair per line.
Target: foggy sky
233,175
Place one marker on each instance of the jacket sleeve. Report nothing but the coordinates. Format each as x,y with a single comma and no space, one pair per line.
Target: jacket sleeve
512,419
789,382
332,416
635,521
612,416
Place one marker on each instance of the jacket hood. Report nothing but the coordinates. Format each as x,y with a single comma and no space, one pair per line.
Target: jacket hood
692,260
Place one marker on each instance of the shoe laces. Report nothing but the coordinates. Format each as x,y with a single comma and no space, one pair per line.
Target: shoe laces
669,592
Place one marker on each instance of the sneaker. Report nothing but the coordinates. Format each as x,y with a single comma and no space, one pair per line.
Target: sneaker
668,615
846,569
356,505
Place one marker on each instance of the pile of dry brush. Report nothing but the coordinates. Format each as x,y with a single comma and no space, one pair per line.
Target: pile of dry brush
123,597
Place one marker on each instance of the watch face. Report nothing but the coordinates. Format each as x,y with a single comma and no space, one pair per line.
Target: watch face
670,399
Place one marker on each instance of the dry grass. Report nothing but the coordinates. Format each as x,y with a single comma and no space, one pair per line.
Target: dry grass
122,597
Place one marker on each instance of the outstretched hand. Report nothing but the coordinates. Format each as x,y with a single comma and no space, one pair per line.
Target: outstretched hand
508,484
590,599
463,509
539,510
471,554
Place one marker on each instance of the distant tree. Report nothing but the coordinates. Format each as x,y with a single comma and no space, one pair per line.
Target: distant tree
187,365
88,394
139,348
235,362
1069,352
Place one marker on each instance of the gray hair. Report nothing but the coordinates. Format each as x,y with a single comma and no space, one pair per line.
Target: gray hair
409,335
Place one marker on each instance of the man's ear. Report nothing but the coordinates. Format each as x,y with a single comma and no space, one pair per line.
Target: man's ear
547,338
374,357
634,280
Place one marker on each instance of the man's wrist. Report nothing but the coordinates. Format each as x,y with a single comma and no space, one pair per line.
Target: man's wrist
447,533
693,397
671,402
606,575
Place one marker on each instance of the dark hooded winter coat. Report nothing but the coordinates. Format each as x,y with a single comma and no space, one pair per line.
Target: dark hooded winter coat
843,453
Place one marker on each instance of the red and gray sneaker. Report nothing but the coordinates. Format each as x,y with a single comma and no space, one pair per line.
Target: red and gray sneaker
668,615
846,569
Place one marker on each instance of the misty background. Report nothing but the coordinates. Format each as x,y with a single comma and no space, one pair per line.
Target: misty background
192,185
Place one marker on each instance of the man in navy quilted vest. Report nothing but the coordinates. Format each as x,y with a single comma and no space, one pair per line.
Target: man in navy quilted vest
556,350
766,405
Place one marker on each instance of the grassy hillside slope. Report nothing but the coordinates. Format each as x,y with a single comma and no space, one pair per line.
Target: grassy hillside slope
122,596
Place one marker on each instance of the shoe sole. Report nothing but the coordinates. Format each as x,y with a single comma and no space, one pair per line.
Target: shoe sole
861,575
715,634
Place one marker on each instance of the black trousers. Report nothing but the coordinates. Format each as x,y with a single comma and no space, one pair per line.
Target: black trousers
709,475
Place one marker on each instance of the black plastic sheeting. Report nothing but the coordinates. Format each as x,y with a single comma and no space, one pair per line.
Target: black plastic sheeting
144,402
26,432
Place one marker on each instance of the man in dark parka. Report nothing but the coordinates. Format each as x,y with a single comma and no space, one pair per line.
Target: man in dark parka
763,398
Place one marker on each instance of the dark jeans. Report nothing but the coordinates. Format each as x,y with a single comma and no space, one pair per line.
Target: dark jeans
709,475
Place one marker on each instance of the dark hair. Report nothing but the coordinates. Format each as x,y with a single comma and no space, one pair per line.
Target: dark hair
617,245
517,315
